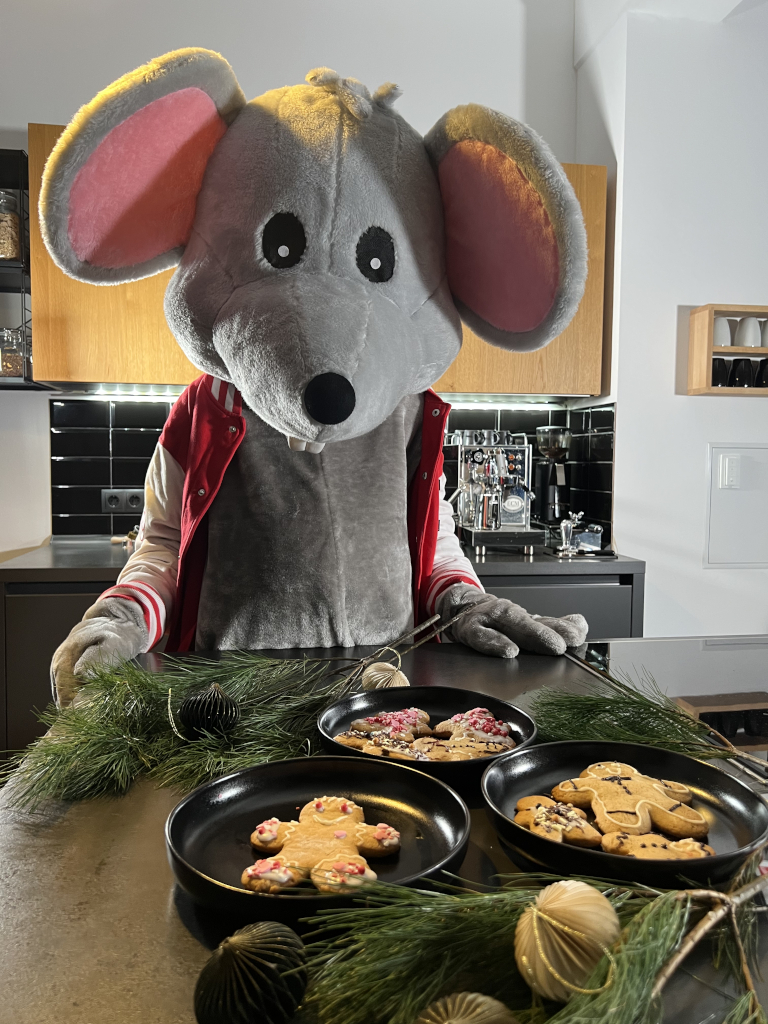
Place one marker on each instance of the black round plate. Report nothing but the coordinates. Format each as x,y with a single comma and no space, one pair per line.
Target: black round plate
440,702
207,834
738,818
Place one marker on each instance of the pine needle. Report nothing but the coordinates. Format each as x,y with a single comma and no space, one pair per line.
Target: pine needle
646,944
622,711
385,962
119,728
744,1011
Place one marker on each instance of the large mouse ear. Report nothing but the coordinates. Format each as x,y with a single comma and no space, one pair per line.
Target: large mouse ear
516,247
119,190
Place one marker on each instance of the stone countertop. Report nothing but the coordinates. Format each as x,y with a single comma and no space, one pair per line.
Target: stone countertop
95,558
509,563
66,559
95,932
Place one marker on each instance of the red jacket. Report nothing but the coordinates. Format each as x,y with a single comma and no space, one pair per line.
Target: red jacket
203,432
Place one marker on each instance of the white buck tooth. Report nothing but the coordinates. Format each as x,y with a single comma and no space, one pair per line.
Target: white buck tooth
315,446
296,445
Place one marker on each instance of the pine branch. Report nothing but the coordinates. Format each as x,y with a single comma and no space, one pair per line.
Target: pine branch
622,710
387,960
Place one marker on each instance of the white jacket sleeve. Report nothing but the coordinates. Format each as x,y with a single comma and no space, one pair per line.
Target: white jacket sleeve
451,565
149,575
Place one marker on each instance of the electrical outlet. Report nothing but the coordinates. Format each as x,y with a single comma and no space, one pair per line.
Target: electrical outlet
134,499
112,500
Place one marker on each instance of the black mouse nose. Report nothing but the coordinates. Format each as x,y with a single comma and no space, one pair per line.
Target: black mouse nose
329,398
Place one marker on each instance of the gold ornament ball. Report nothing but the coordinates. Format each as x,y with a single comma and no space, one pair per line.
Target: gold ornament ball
467,1008
564,932
381,675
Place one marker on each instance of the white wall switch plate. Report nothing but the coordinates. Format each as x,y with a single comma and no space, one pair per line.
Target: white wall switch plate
730,471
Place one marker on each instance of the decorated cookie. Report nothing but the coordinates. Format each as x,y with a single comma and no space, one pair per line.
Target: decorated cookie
328,844
398,750
353,738
440,750
480,747
653,847
479,722
624,800
405,724
562,823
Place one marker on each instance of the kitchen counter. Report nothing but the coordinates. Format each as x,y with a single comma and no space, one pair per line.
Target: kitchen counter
67,559
95,932
508,563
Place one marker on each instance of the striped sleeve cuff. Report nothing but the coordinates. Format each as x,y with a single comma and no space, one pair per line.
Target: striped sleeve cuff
151,605
440,583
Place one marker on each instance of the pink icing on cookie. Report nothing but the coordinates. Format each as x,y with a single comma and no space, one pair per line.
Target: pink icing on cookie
340,835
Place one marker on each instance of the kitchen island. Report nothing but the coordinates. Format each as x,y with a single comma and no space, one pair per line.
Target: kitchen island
95,932
44,592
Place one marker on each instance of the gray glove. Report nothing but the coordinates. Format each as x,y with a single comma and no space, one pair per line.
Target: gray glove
499,627
112,630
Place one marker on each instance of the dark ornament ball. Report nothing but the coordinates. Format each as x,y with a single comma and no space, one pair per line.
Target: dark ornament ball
245,982
210,710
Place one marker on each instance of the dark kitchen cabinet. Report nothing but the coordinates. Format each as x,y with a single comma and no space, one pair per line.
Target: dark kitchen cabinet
609,593
44,594
38,617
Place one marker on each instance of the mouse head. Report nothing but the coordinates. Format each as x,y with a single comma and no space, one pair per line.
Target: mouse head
326,252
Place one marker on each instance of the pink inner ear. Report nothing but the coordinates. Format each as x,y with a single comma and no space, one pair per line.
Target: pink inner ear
501,249
135,197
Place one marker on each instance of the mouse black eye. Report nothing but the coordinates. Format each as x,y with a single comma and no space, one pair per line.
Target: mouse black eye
283,241
376,255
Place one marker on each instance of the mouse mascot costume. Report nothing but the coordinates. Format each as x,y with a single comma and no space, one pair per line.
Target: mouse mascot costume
326,254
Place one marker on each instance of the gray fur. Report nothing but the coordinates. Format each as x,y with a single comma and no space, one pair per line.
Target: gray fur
321,539
542,169
270,333
201,69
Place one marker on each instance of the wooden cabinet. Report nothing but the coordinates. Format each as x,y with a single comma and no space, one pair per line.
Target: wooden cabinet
571,364
702,350
112,334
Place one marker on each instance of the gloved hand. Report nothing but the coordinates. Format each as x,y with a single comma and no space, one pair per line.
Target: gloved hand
499,627
112,630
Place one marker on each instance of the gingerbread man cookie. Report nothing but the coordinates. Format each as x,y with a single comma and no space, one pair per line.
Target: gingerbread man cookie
653,847
325,845
624,800
562,823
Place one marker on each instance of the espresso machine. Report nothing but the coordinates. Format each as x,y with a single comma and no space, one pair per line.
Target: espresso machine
489,473
551,475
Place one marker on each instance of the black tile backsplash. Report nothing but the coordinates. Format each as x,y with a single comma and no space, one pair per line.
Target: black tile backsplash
80,442
134,443
74,525
600,476
70,500
473,419
129,472
97,444
81,471
139,414
79,414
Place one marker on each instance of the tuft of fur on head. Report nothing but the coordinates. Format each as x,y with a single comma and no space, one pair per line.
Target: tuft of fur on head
353,94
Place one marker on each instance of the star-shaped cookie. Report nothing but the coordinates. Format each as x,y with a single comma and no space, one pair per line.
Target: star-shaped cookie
624,800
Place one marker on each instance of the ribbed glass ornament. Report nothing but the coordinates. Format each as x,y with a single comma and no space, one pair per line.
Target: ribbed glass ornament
211,710
244,982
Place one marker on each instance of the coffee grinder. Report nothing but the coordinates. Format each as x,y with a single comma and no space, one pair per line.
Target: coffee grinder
551,477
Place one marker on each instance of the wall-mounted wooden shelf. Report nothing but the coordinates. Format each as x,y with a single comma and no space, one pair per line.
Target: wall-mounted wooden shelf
701,349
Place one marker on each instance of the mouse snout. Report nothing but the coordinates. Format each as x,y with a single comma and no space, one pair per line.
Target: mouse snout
329,398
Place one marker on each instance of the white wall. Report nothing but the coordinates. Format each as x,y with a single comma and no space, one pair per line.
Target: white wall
54,57
25,494
692,150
